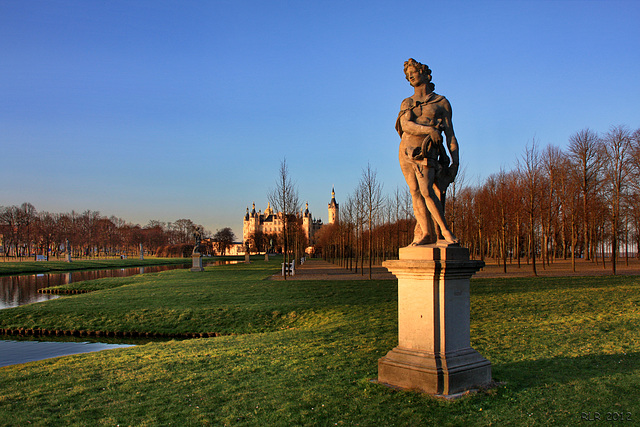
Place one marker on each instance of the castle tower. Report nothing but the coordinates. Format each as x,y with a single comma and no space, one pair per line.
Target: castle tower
251,223
246,224
334,212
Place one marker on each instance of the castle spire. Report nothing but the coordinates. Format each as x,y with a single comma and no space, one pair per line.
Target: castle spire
333,208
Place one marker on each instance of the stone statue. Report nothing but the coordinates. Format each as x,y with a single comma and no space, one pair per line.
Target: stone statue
67,248
197,235
423,159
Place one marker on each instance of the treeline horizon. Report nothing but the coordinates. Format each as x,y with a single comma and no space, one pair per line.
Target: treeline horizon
27,232
579,202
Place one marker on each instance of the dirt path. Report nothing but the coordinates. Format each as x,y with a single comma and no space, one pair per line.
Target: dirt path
560,268
318,269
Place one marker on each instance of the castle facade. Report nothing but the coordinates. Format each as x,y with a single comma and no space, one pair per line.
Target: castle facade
271,222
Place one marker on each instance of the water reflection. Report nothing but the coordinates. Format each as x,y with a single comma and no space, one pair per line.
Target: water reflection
20,290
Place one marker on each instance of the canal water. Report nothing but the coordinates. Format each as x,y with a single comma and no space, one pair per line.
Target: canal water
20,290
16,352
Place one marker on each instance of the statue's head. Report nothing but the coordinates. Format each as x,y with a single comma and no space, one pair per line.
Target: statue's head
423,69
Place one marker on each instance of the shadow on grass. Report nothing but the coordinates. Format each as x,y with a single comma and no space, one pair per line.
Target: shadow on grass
564,370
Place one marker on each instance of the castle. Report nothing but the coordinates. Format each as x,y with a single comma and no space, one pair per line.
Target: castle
271,222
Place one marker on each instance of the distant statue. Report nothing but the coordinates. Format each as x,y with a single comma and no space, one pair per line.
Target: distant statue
423,158
67,249
197,235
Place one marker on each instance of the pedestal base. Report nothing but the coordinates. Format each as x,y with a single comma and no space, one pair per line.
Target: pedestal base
442,374
197,262
434,353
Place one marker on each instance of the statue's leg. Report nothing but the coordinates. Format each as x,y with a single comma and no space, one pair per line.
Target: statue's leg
423,218
425,231
441,193
434,206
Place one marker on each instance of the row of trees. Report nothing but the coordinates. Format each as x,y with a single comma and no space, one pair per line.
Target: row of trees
581,202
26,232
371,227
578,202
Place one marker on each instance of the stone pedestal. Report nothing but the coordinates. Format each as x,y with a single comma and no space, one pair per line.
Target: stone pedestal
247,258
434,353
68,259
197,262
266,256
141,252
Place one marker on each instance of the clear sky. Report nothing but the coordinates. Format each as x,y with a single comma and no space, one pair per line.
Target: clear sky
184,109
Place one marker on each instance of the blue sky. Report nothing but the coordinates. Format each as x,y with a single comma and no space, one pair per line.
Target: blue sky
184,109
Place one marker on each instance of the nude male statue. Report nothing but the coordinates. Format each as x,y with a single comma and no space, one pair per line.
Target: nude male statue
197,235
423,159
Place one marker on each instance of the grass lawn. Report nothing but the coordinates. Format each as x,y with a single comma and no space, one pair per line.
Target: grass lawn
304,352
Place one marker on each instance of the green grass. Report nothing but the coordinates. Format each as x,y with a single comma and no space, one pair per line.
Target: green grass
305,352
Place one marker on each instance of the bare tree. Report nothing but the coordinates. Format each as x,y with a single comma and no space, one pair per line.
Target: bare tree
569,206
584,150
223,239
10,227
28,218
360,216
284,198
371,192
551,164
529,167
183,229
635,161
348,218
617,155
504,201
46,230
451,207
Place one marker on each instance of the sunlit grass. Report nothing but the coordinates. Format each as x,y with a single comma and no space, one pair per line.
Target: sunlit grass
305,353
